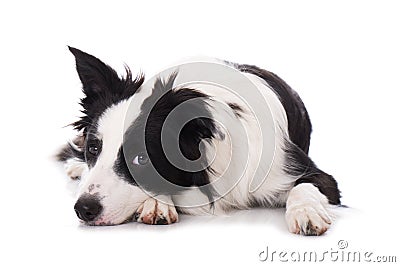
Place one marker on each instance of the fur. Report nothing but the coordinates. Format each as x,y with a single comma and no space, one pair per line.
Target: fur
120,165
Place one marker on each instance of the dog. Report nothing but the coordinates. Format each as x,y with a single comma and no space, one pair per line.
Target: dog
119,154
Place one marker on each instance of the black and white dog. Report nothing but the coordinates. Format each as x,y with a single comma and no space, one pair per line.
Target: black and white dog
119,155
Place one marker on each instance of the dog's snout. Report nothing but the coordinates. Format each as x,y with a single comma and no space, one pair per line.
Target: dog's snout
88,208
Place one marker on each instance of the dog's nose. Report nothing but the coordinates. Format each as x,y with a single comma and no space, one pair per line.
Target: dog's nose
88,208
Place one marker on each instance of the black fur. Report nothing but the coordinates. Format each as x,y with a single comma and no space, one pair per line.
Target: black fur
75,150
102,87
147,127
298,162
121,167
92,140
297,115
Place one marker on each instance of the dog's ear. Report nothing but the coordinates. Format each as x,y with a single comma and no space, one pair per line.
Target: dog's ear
102,87
96,77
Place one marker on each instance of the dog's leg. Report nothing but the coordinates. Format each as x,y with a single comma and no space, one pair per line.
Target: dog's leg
154,211
72,156
75,168
307,206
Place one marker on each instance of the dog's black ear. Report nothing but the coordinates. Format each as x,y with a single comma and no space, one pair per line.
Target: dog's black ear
102,87
96,77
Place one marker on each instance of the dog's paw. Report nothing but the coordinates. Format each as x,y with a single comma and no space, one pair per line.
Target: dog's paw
155,212
307,219
74,168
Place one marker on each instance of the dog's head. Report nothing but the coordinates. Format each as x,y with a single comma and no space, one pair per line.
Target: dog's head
121,160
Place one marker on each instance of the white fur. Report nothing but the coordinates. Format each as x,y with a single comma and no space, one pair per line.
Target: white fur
274,189
119,198
307,209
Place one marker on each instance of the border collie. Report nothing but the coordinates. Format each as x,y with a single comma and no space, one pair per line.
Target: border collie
146,151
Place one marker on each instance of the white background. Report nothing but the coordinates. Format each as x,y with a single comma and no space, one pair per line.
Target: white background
341,56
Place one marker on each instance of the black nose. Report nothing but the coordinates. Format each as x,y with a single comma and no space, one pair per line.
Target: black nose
88,208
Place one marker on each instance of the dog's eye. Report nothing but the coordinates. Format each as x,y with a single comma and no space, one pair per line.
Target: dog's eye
93,149
140,159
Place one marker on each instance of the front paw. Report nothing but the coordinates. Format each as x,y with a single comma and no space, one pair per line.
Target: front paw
155,212
307,219
75,168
